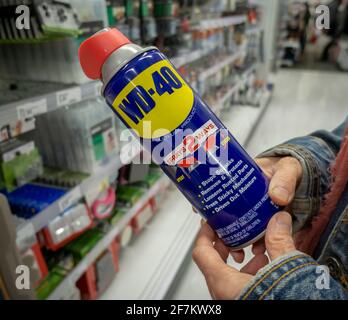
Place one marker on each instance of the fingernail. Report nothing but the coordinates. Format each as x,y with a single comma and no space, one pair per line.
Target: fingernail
283,221
281,193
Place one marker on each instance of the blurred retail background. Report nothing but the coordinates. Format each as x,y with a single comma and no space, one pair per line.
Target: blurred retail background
86,225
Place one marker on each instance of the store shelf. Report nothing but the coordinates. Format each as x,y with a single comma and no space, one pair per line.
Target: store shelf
244,78
242,120
148,266
290,44
102,245
26,109
215,68
253,30
42,219
105,171
257,2
190,57
221,22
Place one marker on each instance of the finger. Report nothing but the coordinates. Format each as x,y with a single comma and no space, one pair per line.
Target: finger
255,264
259,247
278,238
221,248
238,256
204,254
288,172
224,282
267,165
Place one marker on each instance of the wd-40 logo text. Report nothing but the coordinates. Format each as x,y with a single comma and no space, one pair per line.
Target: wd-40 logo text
158,95
140,102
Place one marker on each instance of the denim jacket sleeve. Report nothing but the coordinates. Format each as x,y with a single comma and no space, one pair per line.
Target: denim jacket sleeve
296,275
316,152
292,277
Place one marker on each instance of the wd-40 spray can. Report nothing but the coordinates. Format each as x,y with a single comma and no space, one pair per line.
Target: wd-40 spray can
182,134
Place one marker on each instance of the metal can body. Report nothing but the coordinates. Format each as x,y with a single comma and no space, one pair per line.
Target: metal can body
192,147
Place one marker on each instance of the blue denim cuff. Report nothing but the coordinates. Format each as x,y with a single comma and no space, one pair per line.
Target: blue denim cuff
315,159
275,281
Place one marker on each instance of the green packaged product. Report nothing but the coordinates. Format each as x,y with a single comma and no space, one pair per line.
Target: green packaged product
49,284
129,194
20,163
85,243
117,214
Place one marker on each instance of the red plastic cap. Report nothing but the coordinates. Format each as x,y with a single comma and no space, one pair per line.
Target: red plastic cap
95,50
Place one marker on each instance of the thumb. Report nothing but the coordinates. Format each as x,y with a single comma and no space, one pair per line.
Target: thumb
278,237
288,172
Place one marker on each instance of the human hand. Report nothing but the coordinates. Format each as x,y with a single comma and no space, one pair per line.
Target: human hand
226,282
285,174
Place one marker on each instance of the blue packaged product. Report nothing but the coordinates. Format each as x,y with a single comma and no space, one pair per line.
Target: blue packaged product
184,136
30,199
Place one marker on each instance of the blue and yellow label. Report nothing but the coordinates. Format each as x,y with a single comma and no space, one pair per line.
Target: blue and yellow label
203,159
155,102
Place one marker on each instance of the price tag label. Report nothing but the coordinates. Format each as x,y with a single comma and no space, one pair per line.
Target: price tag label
29,110
71,198
69,96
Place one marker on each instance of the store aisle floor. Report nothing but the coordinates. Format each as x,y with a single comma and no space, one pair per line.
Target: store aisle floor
305,101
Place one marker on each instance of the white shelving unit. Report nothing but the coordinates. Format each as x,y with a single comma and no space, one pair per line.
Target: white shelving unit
102,245
105,171
221,22
150,263
25,109
253,30
242,120
215,68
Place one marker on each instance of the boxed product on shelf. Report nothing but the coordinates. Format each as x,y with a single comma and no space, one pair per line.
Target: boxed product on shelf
47,20
105,270
59,259
61,178
45,288
77,138
67,226
20,162
84,243
142,217
129,195
30,199
126,235
152,176
117,214
133,173
98,276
